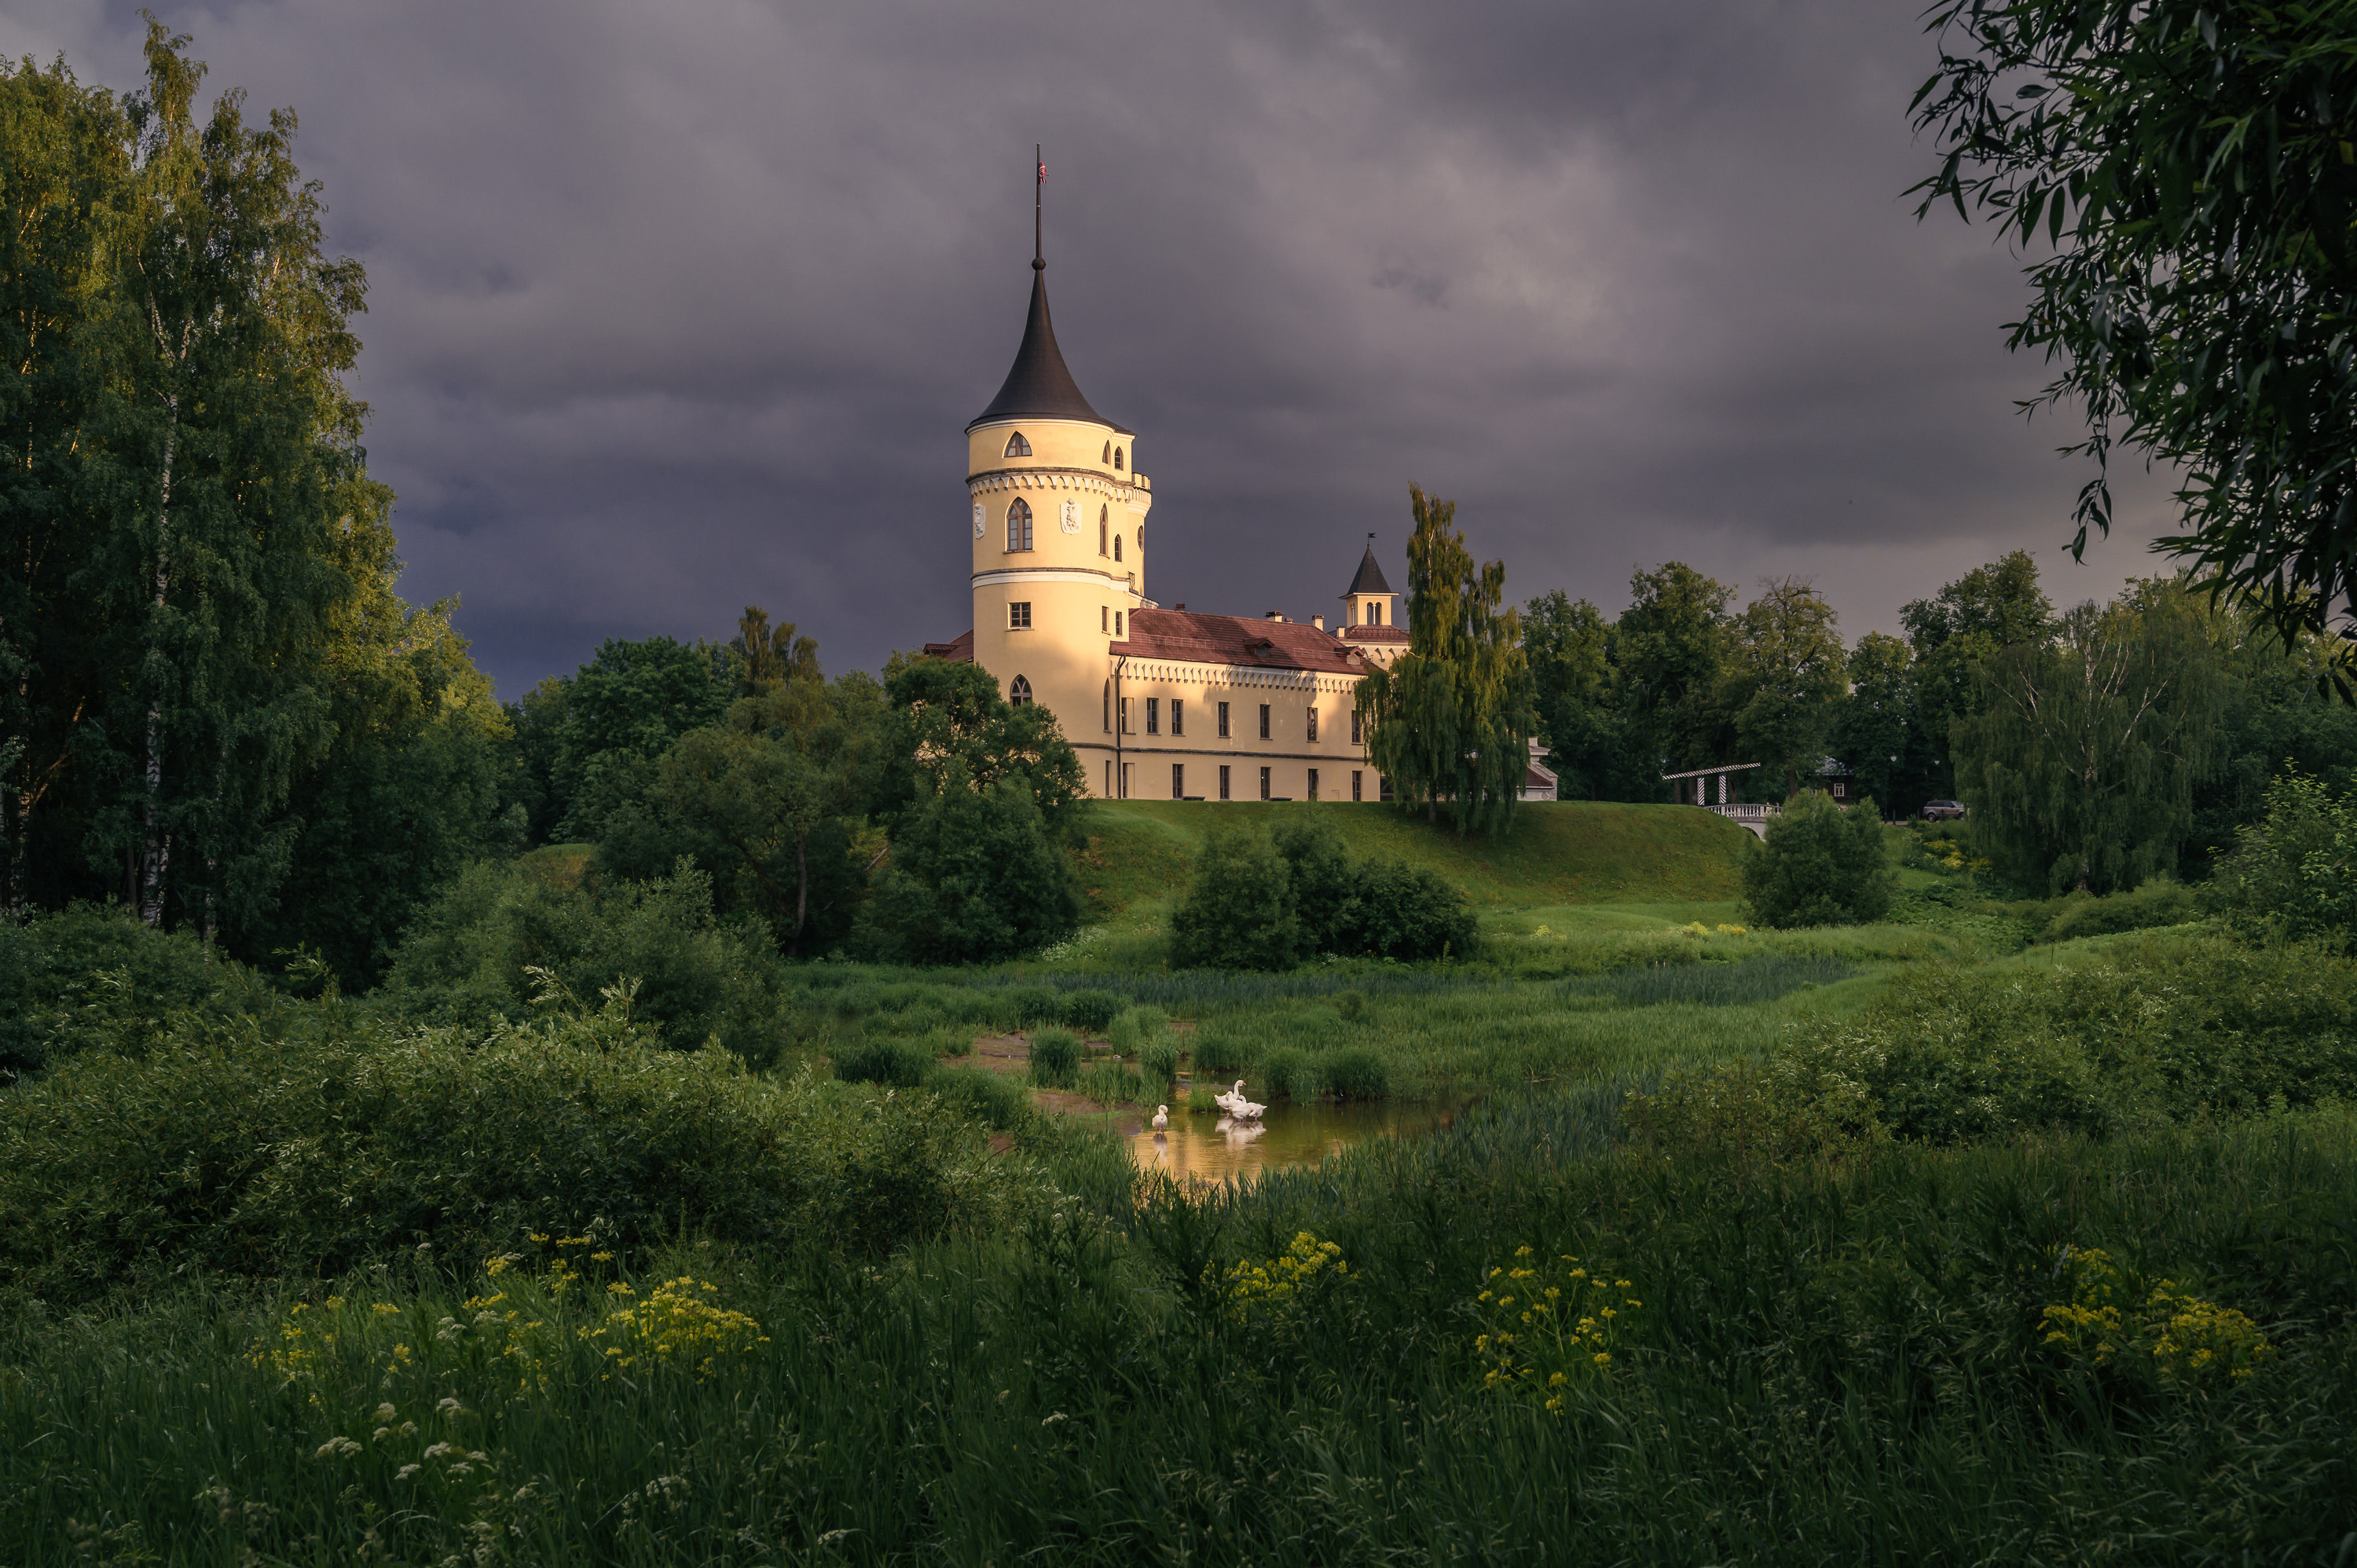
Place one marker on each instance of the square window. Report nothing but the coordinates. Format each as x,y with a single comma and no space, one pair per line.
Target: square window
1313,724
1223,780
1223,732
1178,780
1116,624
1264,721
1105,618
1019,615
1264,783
1313,783
1154,715
1355,786
1178,715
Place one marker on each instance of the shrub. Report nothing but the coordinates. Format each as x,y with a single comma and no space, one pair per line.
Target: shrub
973,876
1823,865
882,1059
86,975
258,1156
1158,1059
2292,876
1055,1057
1356,1072
1406,912
463,960
1091,1011
1238,912
2154,904
1025,1006
1218,1052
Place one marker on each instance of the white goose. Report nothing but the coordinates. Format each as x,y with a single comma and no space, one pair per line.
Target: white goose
1161,1118
1243,1110
1230,1100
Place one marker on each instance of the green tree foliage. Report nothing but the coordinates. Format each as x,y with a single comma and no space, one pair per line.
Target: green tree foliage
1878,734
953,716
772,802
2183,169
1784,672
1270,901
1581,721
1240,911
2292,874
468,958
974,875
2080,769
1822,865
89,976
1955,632
623,709
2279,714
770,656
1451,719
213,705
1672,651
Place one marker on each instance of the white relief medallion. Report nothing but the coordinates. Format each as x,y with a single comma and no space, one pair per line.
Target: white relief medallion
977,519
1071,520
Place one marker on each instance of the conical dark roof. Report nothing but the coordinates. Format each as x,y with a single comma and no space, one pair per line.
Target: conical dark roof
1370,579
1039,384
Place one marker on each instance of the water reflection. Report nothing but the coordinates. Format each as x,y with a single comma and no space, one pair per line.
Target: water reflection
1204,1146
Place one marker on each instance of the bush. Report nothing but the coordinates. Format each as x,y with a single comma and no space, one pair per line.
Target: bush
1023,1006
973,877
1822,865
1238,912
2292,876
255,1156
86,975
882,1059
2154,904
1357,1073
1091,1011
1158,1059
1055,1057
464,959
1406,912
2166,1032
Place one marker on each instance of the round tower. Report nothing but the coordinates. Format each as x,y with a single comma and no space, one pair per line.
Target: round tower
1055,519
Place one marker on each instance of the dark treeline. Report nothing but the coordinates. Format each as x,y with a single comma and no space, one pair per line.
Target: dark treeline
2097,745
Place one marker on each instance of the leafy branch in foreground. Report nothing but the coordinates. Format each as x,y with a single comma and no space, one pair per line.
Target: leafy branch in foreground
2187,166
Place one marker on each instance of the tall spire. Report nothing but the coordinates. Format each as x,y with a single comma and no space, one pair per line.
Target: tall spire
1039,383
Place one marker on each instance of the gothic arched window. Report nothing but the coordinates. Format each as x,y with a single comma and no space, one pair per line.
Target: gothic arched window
1105,525
1017,446
1116,457
1108,453
1116,546
1018,692
1018,525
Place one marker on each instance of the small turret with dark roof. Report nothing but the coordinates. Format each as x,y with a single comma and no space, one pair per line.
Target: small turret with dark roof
1367,621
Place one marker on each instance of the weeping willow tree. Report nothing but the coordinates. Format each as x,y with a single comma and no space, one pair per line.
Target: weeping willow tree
2080,769
1449,723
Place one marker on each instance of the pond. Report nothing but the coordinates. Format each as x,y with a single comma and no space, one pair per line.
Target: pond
1205,1147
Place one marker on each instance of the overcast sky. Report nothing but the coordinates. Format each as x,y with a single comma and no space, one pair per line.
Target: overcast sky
677,308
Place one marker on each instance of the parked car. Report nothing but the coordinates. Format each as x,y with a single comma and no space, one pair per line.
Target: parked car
1943,811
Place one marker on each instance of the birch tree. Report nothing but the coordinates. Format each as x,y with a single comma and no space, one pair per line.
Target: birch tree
1452,719
2080,769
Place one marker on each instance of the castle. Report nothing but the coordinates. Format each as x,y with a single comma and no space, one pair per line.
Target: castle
1160,703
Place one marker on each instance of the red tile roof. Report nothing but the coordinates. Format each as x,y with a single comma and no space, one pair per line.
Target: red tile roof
1182,635
957,650
1375,634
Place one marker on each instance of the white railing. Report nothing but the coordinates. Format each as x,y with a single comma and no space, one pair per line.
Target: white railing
1743,812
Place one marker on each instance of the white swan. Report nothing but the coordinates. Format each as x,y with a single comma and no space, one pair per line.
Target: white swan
1161,1118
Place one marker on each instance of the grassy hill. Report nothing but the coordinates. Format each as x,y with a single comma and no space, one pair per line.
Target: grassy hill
1571,851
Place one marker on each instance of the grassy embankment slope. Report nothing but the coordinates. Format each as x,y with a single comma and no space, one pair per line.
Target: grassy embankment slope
1554,854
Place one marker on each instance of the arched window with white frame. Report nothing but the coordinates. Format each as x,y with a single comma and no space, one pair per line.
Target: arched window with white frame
1017,446
1018,525
1018,692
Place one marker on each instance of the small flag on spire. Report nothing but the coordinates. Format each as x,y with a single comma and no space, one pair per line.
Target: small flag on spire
1043,170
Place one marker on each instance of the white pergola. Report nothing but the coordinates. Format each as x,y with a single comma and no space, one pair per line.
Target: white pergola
1701,788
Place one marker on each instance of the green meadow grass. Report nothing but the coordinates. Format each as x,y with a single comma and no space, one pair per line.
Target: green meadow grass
1572,852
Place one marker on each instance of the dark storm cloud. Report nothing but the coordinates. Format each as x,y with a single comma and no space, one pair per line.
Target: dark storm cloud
677,308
